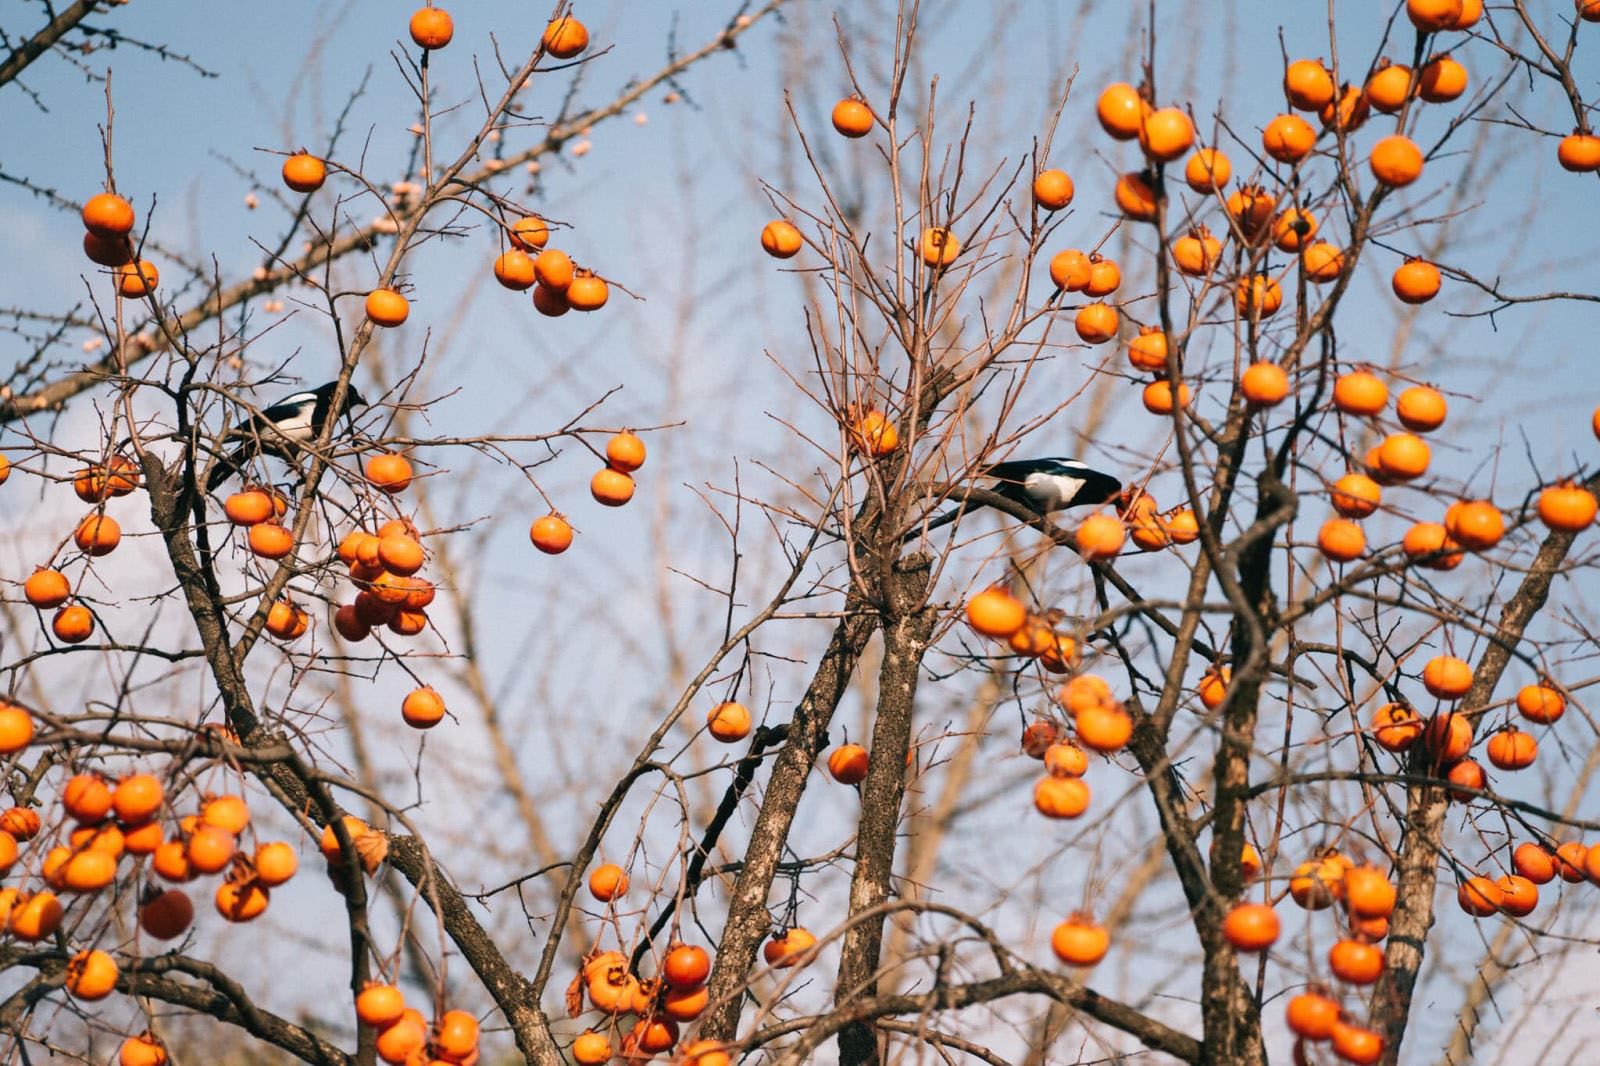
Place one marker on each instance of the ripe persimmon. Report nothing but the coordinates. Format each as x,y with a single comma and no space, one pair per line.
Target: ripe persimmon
938,246
1264,384
73,624
1442,79
1070,270
1293,229
1421,408
241,901
784,949
1416,281
304,173
1476,524
1396,161
1355,962
594,1049
611,487
607,882
106,214
1341,540
587,292
286,621
1448,736
1512,748
1121,110
1166,133
625,452
142,1050
1251,926
1348,111
1479,896
1105,728
1078,941
1207,170
1396,726
1288,138
1368,892
1100,536
551,534
565,37
1533,862
529,233
1360,393
137,797
275,863
1355,495
389,472
135,281
1567,507
403,1039
1307,84
1258,293
91,975
1135,194
1052,189
1157,397
432,27
423,708
1426,540
1312,1015
380,1005
385,307
780,239
46,589
554,270
852,117
1251,207
1519,896
848,764
728,722
1323,262
1197,252
513,269
1403,456
270,540
1540,703
1578,152
97,534
1104,276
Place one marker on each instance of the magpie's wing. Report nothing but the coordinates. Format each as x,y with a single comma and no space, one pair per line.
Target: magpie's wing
260,425
1018,469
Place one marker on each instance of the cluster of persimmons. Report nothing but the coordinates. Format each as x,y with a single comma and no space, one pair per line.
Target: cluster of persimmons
1262,218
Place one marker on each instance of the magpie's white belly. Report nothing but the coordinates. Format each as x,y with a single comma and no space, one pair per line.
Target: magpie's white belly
1051,492
296,428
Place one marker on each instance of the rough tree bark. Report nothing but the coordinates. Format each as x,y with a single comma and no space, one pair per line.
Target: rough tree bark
907,625
748,920
1422,842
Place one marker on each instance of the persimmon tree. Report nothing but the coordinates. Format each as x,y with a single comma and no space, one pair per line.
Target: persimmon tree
1260,679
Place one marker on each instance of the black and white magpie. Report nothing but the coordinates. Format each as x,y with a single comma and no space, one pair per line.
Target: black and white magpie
1045,485
283,429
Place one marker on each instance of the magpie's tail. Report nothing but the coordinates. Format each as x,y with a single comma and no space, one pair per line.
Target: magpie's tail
227,467
945,519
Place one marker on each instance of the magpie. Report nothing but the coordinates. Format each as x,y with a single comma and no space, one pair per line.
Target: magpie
283,429
1044,485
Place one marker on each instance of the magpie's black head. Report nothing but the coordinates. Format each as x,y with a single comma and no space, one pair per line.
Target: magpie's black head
352,398
1097,488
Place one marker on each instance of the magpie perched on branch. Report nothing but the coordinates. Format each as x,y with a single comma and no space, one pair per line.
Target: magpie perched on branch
1045,485
283,429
